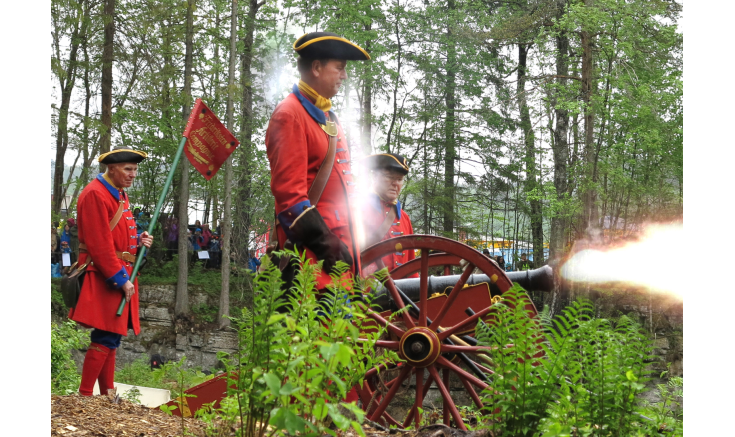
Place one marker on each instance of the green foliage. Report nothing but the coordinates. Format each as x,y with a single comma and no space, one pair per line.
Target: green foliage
208,280
205,313
669,413
133,395
174,376
64,376
58,307
573,372
168,409
294,368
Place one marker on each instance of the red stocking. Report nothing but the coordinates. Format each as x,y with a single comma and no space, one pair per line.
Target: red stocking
93,363
107,375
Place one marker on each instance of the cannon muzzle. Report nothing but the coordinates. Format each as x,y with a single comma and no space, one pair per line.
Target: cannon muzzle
541,279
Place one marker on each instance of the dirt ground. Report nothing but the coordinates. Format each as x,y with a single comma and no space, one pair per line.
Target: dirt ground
76,415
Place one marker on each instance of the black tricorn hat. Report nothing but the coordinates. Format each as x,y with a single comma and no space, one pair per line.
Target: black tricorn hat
328,45
388,161
122,154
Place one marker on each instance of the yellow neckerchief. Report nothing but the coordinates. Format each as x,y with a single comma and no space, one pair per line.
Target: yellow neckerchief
320,102
107,178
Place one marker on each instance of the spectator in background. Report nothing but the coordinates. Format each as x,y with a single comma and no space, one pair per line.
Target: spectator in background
171,236
55,246
143,219
253,262
501,262
218,230
64,249
215,253
196,241
206,236
73,239
525,264
65,235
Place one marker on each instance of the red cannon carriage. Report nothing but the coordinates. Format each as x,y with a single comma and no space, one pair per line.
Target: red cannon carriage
434,336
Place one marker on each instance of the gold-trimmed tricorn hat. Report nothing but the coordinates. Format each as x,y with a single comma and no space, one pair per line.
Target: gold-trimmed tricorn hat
328,45
387,161
122,154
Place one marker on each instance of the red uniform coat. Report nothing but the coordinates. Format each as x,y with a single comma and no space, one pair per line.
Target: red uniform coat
101,291
373,214
296,147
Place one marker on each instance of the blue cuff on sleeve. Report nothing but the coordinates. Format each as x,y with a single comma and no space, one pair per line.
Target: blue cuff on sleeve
287,217
118,280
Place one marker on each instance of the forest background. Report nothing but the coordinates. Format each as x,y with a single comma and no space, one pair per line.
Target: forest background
547,121
460,95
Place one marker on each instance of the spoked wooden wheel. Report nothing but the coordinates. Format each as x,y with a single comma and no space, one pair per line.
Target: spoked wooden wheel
433,354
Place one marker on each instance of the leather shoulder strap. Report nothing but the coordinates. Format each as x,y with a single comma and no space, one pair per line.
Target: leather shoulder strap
322,176
117,216
387,223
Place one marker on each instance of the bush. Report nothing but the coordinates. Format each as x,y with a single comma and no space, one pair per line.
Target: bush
573,375
58,307
295,368
64,376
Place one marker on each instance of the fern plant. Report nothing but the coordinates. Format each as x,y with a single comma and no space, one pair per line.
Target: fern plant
293,369
570,375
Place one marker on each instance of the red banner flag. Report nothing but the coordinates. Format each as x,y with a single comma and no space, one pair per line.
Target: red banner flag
208,142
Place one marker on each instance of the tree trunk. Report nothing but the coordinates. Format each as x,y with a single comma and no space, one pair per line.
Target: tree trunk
106,89
87,155
560,148
531,185
182,282
66,83
241,237
450,153
224,297
589,190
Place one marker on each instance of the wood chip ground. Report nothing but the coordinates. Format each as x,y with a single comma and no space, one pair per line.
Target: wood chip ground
76,415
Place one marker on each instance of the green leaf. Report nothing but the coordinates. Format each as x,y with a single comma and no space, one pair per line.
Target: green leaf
275,318
631,376
288,389
358,428
341,421
273,382
284,418
320,409
344,354
329,350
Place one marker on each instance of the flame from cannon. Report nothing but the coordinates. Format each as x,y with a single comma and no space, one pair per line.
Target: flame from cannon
655,262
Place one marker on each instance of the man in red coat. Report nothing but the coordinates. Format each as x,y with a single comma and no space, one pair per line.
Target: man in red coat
382,216
297,141
110,253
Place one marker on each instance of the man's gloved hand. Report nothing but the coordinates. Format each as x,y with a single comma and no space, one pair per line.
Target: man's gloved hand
313,233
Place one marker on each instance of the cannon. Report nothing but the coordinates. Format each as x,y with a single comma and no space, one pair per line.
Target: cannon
434,336
541,279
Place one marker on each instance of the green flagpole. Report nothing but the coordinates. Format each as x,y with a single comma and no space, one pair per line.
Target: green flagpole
152,224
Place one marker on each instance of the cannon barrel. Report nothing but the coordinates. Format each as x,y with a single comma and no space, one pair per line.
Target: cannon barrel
541,279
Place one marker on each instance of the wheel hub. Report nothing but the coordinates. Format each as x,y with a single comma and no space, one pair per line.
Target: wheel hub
420,346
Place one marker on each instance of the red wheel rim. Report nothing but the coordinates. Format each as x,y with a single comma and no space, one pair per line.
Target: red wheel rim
377,395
